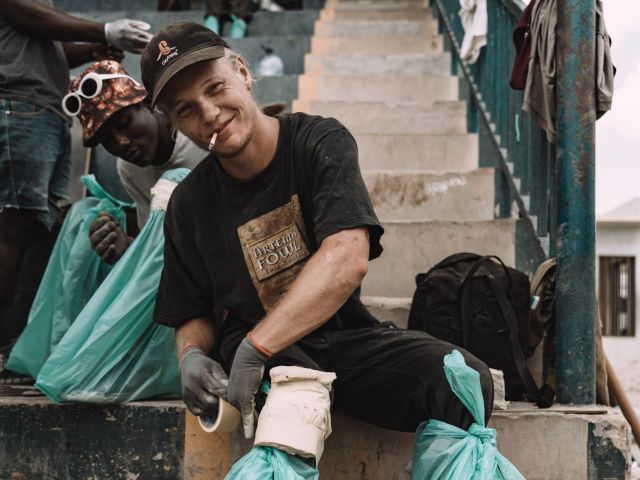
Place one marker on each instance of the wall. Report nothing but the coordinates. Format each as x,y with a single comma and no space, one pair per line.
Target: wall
624,352
621,241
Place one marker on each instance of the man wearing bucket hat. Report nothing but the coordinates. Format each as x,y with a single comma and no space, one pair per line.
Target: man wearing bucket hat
276,227
114,111
34,160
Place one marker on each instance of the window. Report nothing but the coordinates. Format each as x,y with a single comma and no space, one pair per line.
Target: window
617,296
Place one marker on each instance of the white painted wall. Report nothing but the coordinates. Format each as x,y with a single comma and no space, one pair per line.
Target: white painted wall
623,352
621,241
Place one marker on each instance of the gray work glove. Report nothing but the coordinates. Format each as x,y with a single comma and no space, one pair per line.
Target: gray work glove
203,379
244,380
127,34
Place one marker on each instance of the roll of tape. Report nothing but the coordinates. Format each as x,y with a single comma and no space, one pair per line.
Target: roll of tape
226,421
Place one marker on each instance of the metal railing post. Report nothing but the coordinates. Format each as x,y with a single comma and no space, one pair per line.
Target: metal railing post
575,284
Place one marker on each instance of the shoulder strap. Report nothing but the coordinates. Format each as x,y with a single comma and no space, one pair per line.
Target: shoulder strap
463,292
543,397
541,273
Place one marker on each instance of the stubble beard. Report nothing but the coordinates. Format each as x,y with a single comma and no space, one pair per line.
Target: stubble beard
235,151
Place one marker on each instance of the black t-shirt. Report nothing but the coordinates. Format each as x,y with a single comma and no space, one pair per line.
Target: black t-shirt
239,244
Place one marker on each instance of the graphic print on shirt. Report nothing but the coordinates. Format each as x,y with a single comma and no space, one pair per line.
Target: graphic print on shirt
275,249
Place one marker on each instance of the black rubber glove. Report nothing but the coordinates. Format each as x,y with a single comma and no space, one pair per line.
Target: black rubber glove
244,380
203,379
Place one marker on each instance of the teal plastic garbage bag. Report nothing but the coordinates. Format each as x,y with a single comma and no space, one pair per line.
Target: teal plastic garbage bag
73,274
445,452
114,352
268,463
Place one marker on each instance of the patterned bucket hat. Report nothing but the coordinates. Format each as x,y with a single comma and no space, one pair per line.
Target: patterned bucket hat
116,93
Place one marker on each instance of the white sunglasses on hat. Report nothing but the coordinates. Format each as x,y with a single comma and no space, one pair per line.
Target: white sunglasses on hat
90,87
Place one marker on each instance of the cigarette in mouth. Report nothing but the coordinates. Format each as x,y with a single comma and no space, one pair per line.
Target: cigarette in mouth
212,142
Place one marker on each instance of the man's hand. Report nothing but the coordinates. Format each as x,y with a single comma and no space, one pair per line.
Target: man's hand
203,379
108,238
244,380
129,35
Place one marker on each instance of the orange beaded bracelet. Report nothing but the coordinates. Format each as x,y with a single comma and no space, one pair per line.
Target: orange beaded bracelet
258,347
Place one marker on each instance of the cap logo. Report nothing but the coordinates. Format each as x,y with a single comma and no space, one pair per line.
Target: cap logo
166,51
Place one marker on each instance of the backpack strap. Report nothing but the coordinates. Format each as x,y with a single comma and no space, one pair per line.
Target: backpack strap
463,296
447,262
544,396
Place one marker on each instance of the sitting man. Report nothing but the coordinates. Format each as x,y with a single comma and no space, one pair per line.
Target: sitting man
120,118
276,227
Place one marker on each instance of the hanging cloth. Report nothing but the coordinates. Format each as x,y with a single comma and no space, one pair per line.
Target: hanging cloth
540,90
473,15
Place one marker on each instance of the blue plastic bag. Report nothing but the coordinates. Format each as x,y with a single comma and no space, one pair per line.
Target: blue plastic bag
73,274
445,452
268,463
114,352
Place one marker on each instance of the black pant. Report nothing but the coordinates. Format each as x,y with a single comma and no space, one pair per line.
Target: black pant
389,377
239,8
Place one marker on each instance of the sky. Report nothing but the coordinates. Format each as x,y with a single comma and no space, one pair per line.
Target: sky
618,131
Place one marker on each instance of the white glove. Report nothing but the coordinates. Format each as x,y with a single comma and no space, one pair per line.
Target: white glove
127,34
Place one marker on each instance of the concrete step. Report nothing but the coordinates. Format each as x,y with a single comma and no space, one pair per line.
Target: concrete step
420,196
160,441
263,24
338,15
104,5
414,247
276,89
389,90
148,5
389,309
290,48
375,4
435,153
437,118
372,28
376,45
411,64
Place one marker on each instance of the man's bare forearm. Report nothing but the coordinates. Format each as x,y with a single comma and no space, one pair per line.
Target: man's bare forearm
321,288
198,332
77,53
45,22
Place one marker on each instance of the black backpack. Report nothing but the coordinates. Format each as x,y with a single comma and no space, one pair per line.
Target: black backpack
483,306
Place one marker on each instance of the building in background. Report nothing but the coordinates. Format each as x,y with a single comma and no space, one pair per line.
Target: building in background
618,273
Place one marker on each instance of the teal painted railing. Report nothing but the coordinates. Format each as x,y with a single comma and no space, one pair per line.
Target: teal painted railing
553,191
515,143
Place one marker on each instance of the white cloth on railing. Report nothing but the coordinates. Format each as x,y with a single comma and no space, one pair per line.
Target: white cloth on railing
473,15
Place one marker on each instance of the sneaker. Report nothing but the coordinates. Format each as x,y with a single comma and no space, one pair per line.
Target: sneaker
213,24
238,27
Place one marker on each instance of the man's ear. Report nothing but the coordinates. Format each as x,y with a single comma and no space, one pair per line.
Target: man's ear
243,73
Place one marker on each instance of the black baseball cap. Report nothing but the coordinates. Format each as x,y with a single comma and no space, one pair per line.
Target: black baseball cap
175,47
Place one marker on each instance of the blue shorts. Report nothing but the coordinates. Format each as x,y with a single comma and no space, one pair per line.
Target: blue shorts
35,160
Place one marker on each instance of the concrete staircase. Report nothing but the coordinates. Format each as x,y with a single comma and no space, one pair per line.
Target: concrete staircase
381,69
378,66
